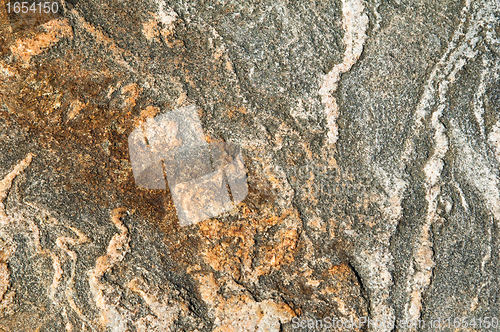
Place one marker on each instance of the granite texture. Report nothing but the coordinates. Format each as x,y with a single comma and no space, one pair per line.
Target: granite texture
370,132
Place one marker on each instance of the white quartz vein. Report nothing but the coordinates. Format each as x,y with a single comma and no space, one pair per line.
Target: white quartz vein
478,98
380,261
118,247
460,50
62,242
355,23
7,247
6,184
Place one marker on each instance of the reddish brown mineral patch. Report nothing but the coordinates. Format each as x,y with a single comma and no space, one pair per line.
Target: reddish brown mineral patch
147,113
232,248
130,94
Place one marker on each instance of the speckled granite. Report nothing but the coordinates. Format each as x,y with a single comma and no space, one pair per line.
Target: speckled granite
370,132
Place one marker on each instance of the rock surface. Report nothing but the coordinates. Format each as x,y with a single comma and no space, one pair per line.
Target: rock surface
371,137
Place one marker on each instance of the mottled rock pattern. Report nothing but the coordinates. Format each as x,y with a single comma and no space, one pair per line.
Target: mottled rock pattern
371,137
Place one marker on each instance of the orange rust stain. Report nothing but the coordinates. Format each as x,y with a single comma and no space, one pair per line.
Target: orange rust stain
210,139
280,253
75,107
232,248
182,100
229,66
342,272
150,28
231,111
147,113
24,49
131,93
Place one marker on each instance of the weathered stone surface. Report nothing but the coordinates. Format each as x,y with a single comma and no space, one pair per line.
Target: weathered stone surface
370,132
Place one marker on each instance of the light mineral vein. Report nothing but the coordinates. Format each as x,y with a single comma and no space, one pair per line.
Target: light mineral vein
6,250
355,22
118,247
461,49
6,183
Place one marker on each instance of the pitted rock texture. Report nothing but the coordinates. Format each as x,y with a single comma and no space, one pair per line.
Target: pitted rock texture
370,132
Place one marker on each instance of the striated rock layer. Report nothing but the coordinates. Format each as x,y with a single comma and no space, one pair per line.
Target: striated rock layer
370,132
